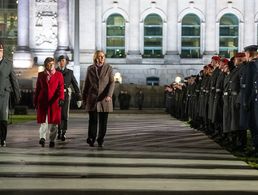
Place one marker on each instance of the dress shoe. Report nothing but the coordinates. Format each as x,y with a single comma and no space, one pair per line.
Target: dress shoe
42,142
51,144
100,145
63,137
90,142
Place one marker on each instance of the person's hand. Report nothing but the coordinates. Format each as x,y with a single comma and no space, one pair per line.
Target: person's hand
61,103
108,99
79,104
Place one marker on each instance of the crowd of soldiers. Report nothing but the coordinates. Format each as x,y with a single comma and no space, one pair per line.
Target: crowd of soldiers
221,101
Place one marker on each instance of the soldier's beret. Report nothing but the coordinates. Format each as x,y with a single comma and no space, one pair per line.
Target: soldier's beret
217,58
225,60
251,48
240,55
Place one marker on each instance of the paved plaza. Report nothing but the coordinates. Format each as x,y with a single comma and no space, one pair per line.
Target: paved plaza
143,153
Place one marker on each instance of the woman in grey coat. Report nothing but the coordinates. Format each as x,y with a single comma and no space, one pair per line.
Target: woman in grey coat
8,83
97,97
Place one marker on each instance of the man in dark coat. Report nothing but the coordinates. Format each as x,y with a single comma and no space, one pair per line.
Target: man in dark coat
249,95
139,99
212,91
69,80
8,83
217,116
238,134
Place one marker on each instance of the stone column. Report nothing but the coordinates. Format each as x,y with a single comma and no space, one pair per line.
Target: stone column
249,22
134,55
172,54
76,69
99,25
210,30
63,32
22,57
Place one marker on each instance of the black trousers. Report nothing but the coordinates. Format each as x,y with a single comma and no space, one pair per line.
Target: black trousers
62,127
3,131
96,118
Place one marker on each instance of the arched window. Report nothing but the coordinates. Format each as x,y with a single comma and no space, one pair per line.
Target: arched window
191,30
9,26
228,35
153,36
115,40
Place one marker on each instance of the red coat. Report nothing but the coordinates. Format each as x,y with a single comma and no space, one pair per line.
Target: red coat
47,96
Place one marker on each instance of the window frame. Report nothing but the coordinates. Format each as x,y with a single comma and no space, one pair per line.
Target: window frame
230,49
120,48
184,37
156,51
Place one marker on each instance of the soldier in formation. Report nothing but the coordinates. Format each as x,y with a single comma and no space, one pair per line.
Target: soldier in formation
222,100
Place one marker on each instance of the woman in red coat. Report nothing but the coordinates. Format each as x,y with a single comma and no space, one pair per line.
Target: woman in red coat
49,97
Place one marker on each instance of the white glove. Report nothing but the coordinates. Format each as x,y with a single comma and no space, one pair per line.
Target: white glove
79,104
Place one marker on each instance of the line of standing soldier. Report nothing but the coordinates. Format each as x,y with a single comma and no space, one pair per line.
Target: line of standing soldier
222,100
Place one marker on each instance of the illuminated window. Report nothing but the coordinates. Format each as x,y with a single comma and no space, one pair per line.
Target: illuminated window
153,36
8,25
115,45
228,35
152,81
190,45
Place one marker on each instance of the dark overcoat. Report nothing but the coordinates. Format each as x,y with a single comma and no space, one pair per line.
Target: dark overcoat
212,91
69,80
234,88
97,87
47,97
226,105
217,115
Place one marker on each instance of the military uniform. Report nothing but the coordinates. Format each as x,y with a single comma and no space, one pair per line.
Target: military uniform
69,80
217,115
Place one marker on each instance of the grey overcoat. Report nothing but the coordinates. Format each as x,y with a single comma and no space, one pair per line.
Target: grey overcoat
8,83
97,87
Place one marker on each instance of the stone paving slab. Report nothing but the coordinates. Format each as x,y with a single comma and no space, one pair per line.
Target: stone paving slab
143,154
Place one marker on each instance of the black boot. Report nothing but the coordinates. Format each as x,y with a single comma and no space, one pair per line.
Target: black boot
42,142
59,133
63,137
3,133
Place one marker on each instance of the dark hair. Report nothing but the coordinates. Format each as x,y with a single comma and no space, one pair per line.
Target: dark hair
63,57
47,60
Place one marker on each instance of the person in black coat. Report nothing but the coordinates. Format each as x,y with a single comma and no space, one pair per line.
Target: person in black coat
217,116
69,80
238,134
250,94
139,99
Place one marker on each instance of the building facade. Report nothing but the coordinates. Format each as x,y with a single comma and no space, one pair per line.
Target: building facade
146,41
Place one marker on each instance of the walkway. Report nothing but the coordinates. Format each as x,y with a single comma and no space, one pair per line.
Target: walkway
143,154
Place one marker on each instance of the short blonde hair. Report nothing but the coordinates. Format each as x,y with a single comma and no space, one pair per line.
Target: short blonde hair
95,56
